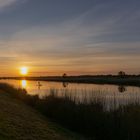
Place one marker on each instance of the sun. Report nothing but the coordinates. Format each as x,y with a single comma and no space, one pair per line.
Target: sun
24,71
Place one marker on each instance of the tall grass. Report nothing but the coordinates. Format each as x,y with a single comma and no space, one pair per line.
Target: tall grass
89,118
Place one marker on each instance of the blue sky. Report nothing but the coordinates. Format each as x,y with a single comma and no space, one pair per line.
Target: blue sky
73,36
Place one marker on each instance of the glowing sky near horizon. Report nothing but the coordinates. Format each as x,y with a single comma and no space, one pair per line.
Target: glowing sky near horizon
53,37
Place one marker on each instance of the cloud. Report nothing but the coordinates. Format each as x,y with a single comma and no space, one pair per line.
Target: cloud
100,37
4,3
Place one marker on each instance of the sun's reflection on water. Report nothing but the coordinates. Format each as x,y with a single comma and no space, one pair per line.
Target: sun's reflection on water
108,94
23,84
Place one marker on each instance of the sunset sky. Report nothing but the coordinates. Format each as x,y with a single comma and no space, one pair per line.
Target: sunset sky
72,36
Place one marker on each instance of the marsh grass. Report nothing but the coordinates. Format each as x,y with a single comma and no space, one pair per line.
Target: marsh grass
19,121
87,118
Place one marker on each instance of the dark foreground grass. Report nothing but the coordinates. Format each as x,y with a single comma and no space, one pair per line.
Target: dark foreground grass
89,119
19,121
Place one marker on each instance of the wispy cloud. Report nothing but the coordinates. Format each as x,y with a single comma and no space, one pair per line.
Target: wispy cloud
4,3
101,36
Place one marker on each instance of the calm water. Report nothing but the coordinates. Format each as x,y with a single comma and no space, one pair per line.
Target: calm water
111,96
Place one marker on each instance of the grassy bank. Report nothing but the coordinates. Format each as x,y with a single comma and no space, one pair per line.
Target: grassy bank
89,119
19,121
104,79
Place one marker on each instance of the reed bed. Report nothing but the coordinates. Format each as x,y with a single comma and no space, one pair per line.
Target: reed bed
88,118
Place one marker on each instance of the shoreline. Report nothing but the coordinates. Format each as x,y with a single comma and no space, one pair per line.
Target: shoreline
114,80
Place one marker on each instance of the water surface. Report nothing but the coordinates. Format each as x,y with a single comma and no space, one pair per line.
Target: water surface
112,96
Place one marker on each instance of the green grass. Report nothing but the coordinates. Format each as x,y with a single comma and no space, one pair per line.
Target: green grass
89,119
86,118
21,122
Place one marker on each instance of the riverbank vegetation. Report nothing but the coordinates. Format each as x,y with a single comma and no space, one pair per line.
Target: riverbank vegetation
19,121
87,118
120,79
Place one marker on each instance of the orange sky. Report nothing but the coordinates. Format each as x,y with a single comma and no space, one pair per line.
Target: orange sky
74,37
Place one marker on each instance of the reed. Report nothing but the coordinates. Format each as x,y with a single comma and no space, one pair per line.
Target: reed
87,118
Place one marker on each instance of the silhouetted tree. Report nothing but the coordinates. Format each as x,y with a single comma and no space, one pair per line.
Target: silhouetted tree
121,74
64,75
